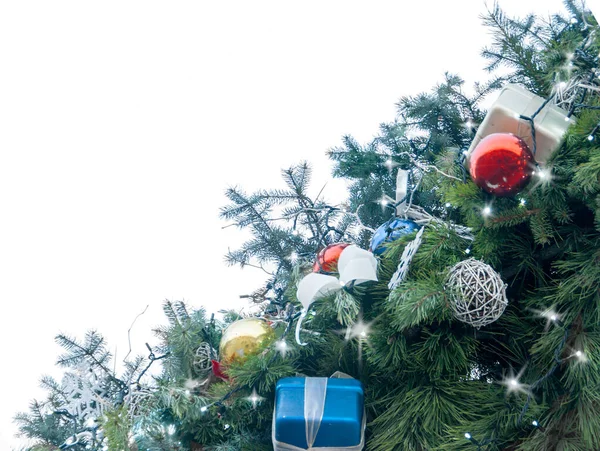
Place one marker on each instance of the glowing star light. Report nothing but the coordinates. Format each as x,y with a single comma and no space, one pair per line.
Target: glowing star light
513,385
580,356
358,330
487,211
469,125
551,316
282,347
254,399
389,164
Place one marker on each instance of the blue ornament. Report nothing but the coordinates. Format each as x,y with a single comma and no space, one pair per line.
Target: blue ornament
391,231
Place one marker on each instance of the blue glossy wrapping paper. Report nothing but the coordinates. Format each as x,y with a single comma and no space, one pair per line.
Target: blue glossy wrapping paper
342,422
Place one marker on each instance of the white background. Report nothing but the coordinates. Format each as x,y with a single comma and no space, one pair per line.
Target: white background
122,122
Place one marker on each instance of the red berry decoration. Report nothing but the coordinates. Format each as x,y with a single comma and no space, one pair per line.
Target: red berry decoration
327,259
501,164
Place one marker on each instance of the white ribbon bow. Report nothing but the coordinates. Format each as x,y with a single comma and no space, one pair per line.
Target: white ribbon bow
355,265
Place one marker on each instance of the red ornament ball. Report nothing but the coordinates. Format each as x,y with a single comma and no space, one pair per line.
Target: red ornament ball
501,164
327,259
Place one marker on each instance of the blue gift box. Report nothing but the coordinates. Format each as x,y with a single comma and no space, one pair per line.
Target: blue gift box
342,422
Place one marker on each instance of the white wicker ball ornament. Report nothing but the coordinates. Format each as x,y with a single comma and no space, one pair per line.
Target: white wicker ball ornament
203,358
477,293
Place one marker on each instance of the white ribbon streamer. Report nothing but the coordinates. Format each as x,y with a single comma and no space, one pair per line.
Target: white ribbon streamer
401,191
315,394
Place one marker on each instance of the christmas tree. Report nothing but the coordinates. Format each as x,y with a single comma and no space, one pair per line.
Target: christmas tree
486,336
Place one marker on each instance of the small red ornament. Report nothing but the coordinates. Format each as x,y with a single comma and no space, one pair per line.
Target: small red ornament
327,259
218,371
501,164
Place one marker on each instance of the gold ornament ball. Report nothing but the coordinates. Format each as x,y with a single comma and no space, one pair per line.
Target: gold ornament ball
243,338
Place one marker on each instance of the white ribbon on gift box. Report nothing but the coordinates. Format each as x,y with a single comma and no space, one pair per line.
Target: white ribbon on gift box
315,392
354,265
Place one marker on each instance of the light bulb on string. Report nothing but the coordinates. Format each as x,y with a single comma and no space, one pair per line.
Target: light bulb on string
486,211
469,125
203,409
385,200
543,174
468,250
551,316
359,330
468,436
254,399
448,204
390,165
580,356
590,138
282,347
535,423
512,383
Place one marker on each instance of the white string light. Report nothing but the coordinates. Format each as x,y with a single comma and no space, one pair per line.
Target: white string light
551,316
282,347
580,356
487,211
390,164
543,174
359,330
512,383
254,399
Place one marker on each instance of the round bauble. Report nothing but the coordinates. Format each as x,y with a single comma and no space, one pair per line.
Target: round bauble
327,259
203,357
391,231
476,293
501,164
243,338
